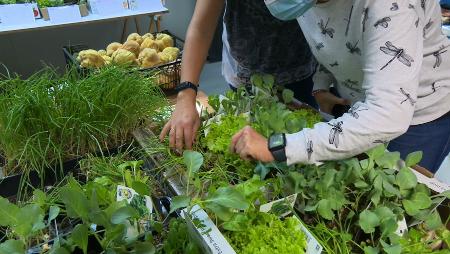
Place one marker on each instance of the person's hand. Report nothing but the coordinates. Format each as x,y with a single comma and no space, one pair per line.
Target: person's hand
327,101
184,123
249,144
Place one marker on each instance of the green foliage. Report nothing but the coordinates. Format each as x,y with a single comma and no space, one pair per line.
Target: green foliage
419,241
367,196
177,239
268,234
220,133
47,119
50,3
179,202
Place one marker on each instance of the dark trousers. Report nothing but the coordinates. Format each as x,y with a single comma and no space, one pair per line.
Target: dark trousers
432,138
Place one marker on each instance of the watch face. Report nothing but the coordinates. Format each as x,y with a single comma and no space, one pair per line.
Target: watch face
276,141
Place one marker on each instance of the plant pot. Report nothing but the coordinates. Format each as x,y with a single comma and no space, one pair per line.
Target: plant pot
83,10
44,13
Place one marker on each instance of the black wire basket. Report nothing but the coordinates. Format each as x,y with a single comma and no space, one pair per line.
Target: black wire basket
167,75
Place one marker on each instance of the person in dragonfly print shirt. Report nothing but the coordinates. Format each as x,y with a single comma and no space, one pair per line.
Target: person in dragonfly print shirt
390,61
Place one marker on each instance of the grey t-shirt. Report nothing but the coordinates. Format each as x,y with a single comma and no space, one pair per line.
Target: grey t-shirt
256,42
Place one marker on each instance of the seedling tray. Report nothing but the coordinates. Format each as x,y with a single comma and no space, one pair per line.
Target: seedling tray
10,185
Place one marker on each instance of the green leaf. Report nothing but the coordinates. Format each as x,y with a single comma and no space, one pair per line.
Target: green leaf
433,221
53,213
123,214
144,248
390,189
223,213
269,80
39,197
288,95
12,247
141,188
328,179
31,220
261,170
388,226
8,213
361,184
376,152
384,213
406,179
368,220
256,80
388,160
421,200
239,222
324,209
228,197
80,236
391,249
410,208
73,197
413,158
371,250
179,202
193,161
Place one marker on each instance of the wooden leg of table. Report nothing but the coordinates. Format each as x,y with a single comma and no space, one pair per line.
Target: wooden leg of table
158,23
150,26
136,22
124,29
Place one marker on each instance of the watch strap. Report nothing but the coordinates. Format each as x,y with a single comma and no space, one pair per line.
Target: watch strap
186,85
280,155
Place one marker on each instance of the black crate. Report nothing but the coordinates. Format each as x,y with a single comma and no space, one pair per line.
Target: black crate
167,75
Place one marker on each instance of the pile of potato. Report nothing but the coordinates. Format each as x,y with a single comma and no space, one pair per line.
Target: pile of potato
144,51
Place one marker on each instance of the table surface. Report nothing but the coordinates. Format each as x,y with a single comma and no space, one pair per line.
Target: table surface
42,24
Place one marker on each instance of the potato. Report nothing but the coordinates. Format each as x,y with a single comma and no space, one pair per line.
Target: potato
123,57
148,35
112,48
148,58
90,59
172,52
102,52
132,46
135,37
149,43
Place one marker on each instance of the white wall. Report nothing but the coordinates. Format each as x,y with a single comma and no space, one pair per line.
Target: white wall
25,52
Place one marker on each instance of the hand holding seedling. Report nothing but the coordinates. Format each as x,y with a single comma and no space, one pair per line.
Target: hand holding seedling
184,123
249,144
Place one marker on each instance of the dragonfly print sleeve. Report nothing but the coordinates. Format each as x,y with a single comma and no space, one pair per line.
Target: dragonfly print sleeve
391,53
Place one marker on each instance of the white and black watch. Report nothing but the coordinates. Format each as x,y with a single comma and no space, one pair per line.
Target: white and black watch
277,146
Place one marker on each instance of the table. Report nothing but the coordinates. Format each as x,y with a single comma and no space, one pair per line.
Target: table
91,18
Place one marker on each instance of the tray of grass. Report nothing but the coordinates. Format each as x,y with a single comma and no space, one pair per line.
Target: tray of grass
49,119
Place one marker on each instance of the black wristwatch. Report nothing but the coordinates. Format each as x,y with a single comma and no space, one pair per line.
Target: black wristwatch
277,145
186,85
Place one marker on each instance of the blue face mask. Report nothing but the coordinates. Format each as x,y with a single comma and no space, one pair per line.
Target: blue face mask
288,9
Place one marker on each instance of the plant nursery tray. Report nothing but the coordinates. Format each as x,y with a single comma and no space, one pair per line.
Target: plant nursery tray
10,185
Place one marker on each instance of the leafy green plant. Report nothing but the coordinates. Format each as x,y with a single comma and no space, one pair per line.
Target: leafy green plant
268,234
365,198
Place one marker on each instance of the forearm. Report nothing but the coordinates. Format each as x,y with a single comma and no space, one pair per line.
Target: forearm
198,40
